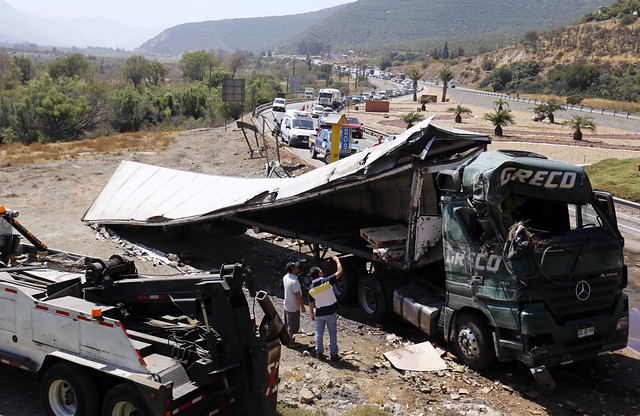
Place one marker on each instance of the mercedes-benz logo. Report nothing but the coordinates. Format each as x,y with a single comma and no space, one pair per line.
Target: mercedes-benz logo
583,290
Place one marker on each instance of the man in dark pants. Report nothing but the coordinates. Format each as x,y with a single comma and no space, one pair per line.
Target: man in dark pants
292,298
321,297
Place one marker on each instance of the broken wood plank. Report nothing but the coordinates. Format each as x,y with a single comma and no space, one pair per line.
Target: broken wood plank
392,235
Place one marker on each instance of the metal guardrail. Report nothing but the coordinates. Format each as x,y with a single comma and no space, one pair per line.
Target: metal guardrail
572,107
627,204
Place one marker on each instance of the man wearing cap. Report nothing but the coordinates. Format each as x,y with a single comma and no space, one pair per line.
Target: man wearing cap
292,298
325,302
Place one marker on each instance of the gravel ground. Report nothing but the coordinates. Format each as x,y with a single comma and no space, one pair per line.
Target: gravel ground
53,196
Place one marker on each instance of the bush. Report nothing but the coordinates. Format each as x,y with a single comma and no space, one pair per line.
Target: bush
575,99
627,19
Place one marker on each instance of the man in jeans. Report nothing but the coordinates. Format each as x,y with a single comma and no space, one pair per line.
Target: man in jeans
292,298
322,297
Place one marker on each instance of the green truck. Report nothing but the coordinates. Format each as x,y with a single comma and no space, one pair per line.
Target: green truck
507,254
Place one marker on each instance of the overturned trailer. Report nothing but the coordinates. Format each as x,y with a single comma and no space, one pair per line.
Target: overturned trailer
422,220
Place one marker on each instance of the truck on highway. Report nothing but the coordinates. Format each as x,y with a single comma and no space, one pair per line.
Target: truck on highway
329,97
102,339
309,93
509,255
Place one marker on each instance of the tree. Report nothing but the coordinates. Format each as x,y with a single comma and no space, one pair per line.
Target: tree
445,51
197,65
237,61
578,123
69,66
445,75
500,103
325,71
26,66
488,65
526,69
500,77
415,75
424,100
530,38
459,110
412,118
136,68
158,72
499,119
548,108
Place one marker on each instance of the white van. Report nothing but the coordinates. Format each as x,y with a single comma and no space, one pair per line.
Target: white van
296,127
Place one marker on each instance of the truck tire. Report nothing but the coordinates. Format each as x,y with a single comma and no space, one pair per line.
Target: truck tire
313,152
473,342
124,400
346,287
371,298
327,159
67,390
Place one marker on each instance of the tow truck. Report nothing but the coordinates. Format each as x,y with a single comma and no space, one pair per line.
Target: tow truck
102,339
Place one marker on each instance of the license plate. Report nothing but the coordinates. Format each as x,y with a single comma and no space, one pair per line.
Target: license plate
585,332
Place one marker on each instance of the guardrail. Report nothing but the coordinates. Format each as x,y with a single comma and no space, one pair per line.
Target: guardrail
572,107
627,204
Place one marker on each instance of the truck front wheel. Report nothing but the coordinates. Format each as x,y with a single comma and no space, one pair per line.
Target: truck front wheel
68,390
473,342
371,298
124,400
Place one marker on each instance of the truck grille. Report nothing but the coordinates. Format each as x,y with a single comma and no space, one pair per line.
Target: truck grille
563,301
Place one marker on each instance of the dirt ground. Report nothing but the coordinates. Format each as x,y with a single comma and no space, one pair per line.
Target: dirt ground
53,196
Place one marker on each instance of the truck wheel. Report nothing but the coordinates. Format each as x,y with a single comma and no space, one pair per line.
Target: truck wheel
371,298
68,390
327,158
313,152
124,400
473,342
346,287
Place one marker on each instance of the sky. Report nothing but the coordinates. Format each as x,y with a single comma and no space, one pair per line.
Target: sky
167,13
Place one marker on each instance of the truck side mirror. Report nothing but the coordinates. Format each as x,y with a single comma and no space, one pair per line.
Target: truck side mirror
449,180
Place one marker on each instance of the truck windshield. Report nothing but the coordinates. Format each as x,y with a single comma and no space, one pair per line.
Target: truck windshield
325,95
302,123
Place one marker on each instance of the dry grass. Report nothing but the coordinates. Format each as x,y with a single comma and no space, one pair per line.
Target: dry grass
18,154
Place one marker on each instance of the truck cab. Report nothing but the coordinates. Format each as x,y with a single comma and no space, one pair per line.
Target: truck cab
321,145
534,262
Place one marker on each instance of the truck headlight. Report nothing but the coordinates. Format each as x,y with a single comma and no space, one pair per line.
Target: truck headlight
623,323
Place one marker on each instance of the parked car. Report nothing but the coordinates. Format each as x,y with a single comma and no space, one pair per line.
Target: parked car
356,99
317,111
279,104
323,116
322,146
356,127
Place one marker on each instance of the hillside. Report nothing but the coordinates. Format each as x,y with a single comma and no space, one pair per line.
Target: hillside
256,35
368,24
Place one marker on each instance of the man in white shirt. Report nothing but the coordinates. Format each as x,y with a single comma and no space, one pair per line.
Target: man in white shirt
292,298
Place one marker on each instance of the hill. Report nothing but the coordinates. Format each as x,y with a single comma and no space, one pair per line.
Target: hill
256,35
368,24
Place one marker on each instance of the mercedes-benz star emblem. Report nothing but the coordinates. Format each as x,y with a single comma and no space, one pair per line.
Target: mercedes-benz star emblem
583,290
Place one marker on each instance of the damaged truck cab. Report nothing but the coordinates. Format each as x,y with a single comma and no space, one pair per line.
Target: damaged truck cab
533,261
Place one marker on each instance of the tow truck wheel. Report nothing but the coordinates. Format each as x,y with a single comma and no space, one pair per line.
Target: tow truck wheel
371,298
313,152
124,400
327,159
67,390
473,342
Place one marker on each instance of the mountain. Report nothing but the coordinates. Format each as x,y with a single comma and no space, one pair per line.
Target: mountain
252,34
18,27
370,24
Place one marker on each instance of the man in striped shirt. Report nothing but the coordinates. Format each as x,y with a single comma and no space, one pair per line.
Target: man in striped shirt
321,297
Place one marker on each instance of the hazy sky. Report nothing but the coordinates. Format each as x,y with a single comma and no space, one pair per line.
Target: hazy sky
165,13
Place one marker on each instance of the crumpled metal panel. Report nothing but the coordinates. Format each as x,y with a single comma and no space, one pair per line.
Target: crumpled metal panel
151,195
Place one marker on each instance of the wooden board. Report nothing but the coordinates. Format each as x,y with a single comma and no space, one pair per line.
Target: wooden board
392,235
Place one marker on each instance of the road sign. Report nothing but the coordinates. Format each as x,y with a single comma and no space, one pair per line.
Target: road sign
345,139
233,89
294,83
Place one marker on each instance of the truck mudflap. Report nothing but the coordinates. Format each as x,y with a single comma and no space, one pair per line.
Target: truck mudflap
544,342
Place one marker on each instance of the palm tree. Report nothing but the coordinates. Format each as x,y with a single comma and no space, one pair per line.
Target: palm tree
499,119
445,75
415,75
500,103
424,100
459,110
577,123
412,118
548,108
